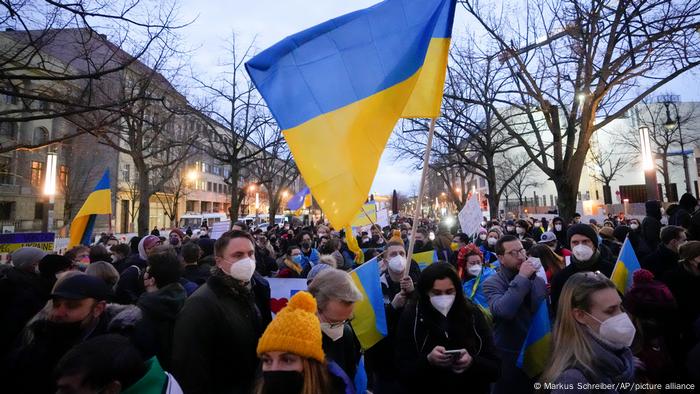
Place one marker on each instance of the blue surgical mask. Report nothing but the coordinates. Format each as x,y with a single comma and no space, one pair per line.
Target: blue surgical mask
297,259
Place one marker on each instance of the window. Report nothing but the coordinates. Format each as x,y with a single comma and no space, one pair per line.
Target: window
63,176
8,130
227,173
11,99
126,172
6,208
5,170
208,186
41,135
38,210
205,167
37,173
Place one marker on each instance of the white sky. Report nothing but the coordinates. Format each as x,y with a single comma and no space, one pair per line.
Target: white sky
268,21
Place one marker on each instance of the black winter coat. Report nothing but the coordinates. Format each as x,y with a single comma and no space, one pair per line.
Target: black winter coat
603,265
421,328
216,335
22,295
663,259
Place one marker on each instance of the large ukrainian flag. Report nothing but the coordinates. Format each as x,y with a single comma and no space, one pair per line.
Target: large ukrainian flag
625,266
537,347
99,202
338,89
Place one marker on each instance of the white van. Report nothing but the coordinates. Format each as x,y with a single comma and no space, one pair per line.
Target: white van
196,220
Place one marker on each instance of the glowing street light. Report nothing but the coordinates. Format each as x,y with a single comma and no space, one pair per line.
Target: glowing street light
648,165
192,175
285,194
50,181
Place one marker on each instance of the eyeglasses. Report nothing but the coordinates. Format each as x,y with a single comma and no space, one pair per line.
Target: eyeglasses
516,253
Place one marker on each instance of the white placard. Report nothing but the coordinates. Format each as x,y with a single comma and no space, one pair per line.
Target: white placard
383,218
218,228
282,289
470,216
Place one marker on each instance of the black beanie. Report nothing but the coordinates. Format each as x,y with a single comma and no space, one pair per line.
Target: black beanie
583,229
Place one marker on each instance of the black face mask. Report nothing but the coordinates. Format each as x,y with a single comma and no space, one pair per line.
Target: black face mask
305,245
60,335
418,244
283,382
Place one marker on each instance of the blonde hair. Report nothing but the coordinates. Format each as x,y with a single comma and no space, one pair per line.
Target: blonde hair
316,378
570,344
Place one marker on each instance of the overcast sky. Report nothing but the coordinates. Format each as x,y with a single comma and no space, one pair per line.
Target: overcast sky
268,21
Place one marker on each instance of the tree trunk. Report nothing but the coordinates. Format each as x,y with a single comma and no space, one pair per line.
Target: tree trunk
607,194
566,193
144,205
173,219
235,201
493,199
667,180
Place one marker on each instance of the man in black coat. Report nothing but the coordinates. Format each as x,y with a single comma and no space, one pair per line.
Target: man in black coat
665,257
217,331
651,224
586,256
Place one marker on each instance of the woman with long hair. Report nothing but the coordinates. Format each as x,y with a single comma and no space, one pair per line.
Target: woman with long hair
552,262
444,344
592,336
291,354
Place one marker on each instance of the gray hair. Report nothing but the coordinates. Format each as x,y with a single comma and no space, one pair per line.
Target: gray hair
104,271
333,284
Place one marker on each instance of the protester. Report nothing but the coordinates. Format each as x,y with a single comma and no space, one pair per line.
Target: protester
155,231
559,229
551,262
111,364
293,264
99,253
423,242
522,229
218,328
80,255
514,294
684,282
681,215
336,294
22,293
51,267
130,285
474,274
120,255
439,321
666,255
585,257
489,247
78,312
291,353
159,305
104,271
608,239
193,271
537,230
311,254
651,224
653,310
265,262
592,335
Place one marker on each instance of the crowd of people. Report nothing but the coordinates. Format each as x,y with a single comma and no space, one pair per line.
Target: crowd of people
186,313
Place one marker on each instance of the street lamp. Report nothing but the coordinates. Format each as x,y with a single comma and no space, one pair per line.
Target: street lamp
192,175
50,188
648,165
670,125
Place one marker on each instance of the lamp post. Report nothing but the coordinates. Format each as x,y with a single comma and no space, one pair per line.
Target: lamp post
648,165
670,125
50,189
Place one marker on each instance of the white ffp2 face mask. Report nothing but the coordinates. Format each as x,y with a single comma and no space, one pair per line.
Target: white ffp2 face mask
482,237
443,303
618,330
557,227
397,263
243,269
492,241
474,270
582,252
334,333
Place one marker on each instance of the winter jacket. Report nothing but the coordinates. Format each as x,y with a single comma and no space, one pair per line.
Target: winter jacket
29,367
422,328
155,381
513,300
130,284
345,351
216,334
599,264
660,261
22,295
153,334
677,216
685,287
651,224
197,273
476,294
613,365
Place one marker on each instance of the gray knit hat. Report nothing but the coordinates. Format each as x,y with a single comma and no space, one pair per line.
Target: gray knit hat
23,257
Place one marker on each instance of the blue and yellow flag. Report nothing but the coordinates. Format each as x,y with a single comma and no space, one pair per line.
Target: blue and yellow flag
337,90
538,343
626,264
354,247
369,322
298,200
99,202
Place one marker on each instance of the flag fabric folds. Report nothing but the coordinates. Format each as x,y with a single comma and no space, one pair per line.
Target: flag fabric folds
337,90
298,200
625,266
369,322
354,247
538,342
99,202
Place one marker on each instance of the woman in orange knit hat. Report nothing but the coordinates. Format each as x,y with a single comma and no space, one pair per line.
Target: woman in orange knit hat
292,355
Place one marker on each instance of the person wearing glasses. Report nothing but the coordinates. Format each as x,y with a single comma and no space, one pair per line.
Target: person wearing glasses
336,294
514,294
592,337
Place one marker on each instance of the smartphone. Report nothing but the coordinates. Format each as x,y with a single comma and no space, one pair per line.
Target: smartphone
455,354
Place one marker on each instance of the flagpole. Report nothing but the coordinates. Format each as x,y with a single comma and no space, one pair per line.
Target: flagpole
421,191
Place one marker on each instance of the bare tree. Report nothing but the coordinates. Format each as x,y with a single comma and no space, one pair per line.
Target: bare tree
276,171
605,166
56,57
574,67
664,139
468,136
176,188
517,168
238,123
